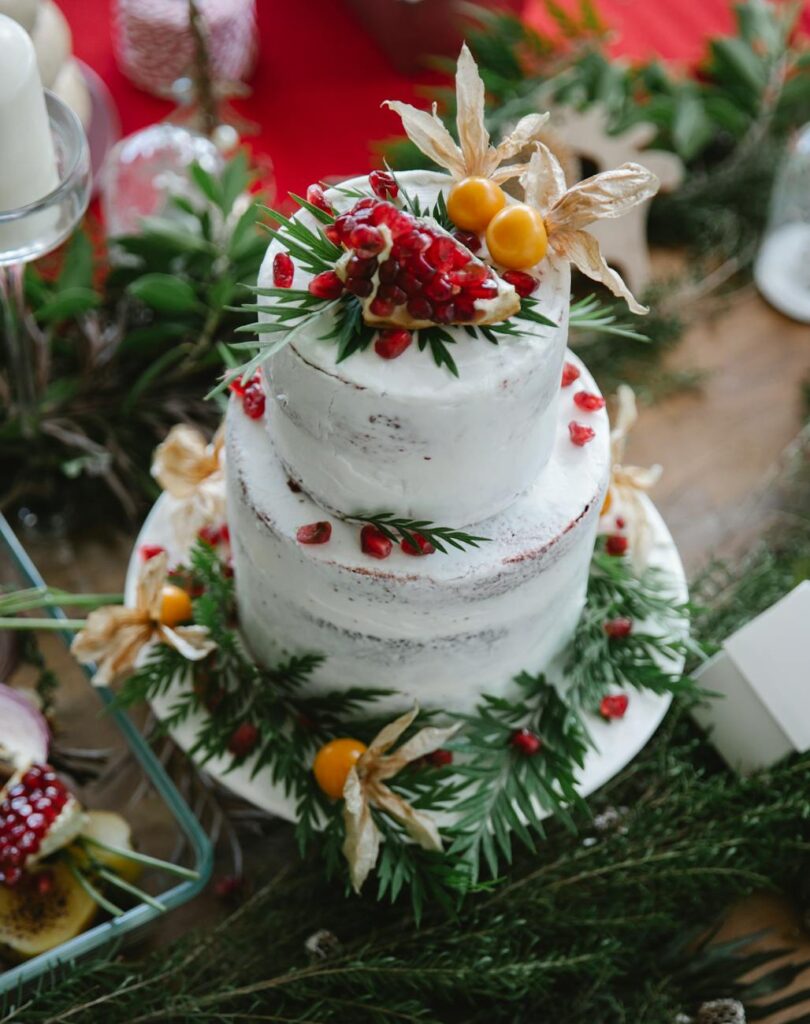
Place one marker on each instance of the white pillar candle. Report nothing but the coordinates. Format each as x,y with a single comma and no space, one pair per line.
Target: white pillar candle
27,159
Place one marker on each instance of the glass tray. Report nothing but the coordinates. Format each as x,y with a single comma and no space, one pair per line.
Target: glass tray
127,777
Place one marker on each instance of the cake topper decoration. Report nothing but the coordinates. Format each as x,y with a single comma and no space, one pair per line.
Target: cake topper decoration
365,788
472,156
114,636
567,211
190,470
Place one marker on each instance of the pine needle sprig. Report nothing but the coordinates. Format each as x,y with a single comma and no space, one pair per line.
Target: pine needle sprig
397,528
349,330
589,314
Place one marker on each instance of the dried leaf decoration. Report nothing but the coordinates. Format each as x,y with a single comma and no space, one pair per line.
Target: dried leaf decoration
629,483
113,637
567,211
365,788
191,471
472,156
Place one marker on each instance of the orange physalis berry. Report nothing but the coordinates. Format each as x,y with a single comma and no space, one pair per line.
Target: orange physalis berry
175,606
473,202
333,762
606,504
516,237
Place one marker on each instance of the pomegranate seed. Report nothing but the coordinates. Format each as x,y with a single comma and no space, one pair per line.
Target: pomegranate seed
151,551
413,242
209,534
525,742
392,342
580,434
243,740
253,401
396,220
441,252
618,629
472,274
424,546
332,232
393,293
420,267
614,706
468,239
359,267
381,307
485,290
420,308
465,309
374,542
440,288
441,757
570,374
326,285
344,225
314,533
366,240
367,203
408,283
283,270
388,271
620,523
524,284
10,876
26,814
383,184
616,544
589,402
359,286
315,196
445,313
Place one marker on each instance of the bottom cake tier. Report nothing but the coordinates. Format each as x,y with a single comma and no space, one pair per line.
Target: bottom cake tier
441,629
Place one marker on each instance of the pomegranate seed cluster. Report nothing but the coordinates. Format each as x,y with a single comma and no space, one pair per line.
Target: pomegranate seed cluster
428,272
27,811
252,396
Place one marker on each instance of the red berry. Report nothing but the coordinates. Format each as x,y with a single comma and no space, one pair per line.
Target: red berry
620,524
359,267
326,285
359,286
366,240
618,629
383,184
314,533
316,197
441,757
243,740
614,706
374,542
383,308
283,270
468,240
228,885
580,435
589,402
570,374
420,308
151,551
392,342
525,742
332,232
616,544
210,535
388,271
424,546
253,401
524,284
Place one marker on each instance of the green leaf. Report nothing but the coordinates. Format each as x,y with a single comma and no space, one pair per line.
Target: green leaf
207,184
736,59
165,293
67,303
692,129
235,179
77,269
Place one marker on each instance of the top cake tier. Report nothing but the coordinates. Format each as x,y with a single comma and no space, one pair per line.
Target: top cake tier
370,434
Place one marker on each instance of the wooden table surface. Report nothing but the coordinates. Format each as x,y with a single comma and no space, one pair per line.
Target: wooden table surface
718,446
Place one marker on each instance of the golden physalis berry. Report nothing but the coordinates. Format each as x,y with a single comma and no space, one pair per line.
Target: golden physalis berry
333,762
606,504
516,237
175,606
473,202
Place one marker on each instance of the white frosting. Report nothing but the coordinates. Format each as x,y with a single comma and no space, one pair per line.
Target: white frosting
441,629
372,434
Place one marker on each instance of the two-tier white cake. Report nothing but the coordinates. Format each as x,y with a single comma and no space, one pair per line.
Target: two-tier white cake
489,451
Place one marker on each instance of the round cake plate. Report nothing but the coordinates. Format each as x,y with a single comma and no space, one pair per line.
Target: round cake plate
615,743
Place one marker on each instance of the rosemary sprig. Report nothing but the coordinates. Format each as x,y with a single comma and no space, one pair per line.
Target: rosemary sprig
398,528
589,314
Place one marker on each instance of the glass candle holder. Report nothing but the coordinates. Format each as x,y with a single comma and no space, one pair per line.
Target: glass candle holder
27,233
782,269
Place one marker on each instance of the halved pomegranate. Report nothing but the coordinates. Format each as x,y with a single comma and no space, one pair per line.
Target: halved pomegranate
409,272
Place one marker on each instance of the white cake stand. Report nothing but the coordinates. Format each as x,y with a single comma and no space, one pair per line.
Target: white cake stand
615,743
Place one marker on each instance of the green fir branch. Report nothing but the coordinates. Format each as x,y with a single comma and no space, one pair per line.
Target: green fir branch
397,528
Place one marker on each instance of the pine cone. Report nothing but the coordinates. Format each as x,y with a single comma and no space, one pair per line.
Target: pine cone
721,1011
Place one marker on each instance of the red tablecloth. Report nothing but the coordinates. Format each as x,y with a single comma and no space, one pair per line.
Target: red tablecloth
321,78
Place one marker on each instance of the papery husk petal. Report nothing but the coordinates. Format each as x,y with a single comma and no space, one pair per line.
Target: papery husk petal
149,591
608,194
388,735
112,638
429,135
525,132
419,826
205,507
623,420
470,112
543,180
193,642
582,249
184,460
361,846
425,742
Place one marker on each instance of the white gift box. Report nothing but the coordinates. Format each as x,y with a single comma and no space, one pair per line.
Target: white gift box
763,677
